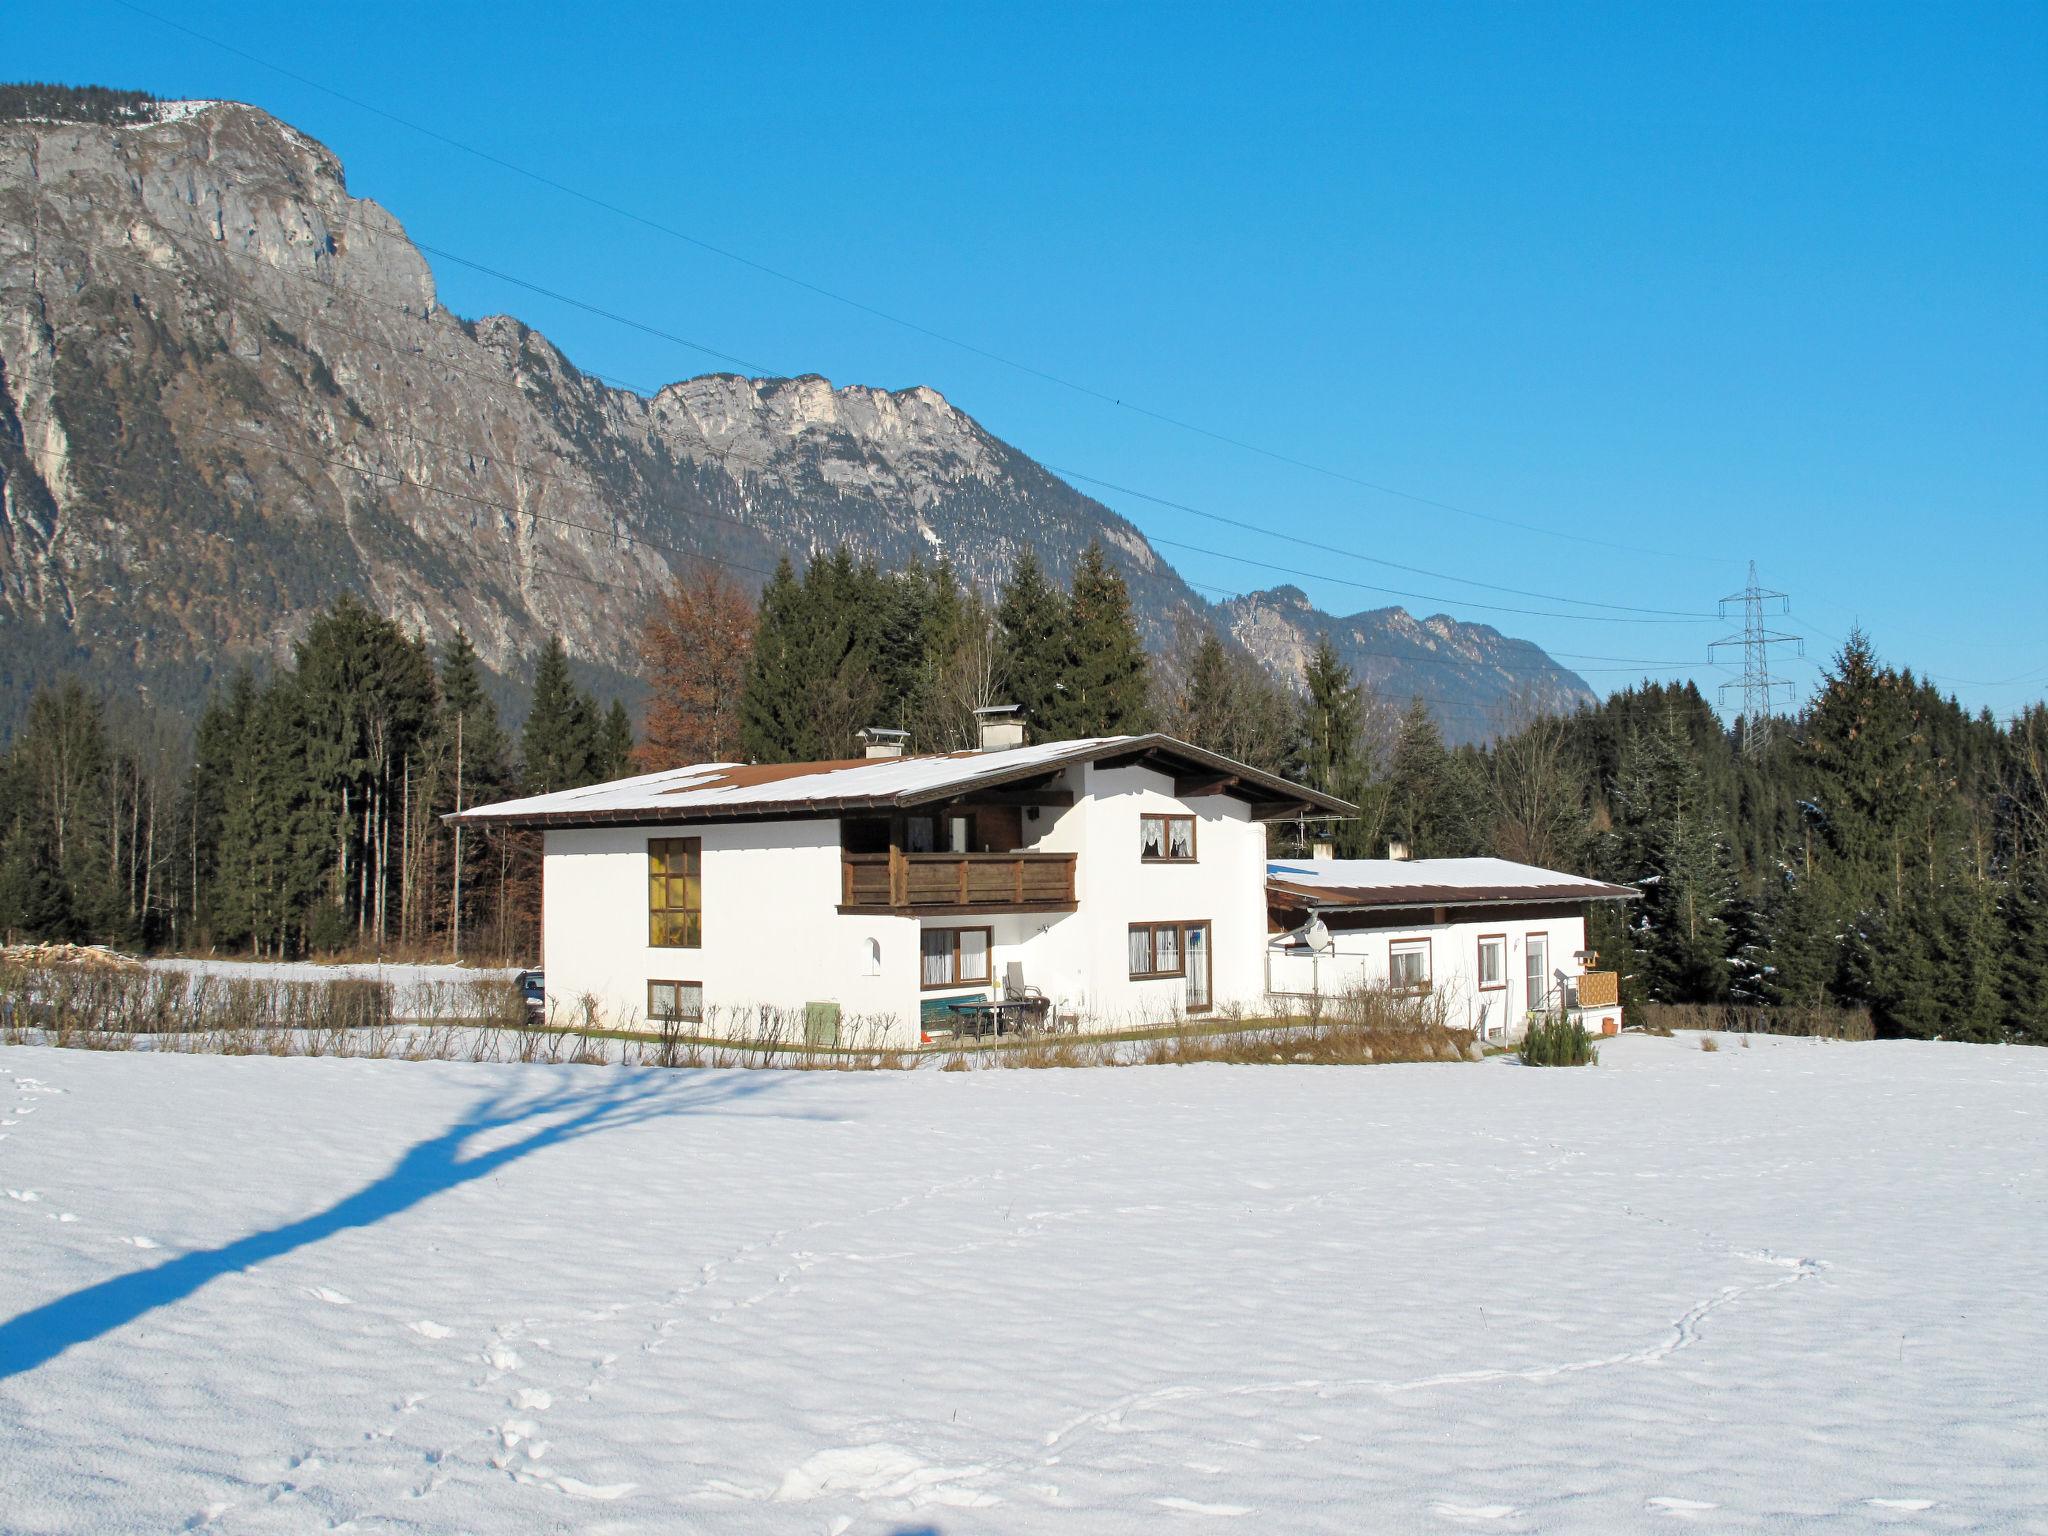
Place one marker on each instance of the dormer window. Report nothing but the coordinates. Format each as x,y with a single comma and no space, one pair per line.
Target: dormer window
1166,839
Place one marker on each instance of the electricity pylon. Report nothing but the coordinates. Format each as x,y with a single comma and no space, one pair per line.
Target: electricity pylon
1759,688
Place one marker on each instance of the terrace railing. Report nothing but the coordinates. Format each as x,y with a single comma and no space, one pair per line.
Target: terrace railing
957,882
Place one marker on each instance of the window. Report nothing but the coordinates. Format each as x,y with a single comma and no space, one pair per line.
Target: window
870,957
1166,839
955,957
921,834
1493,961
678,1002
675,892
1408,965
1536,971
1156,950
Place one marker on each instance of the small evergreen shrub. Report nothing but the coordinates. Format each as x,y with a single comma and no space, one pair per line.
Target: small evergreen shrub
1558,1041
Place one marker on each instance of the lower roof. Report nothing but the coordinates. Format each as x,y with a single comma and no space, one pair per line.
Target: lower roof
1352,885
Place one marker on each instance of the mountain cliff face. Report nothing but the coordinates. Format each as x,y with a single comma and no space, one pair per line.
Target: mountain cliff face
228,393
1475,679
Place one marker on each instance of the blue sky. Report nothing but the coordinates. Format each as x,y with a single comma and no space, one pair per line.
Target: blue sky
1671,287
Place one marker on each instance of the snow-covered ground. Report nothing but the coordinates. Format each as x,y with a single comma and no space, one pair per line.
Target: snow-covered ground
1797,1286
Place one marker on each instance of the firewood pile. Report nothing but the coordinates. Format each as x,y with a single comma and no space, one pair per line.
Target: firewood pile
95,957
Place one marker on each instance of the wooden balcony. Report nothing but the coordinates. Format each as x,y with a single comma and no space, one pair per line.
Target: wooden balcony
956,883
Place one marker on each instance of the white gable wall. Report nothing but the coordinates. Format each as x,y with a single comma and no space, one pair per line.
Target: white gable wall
772,933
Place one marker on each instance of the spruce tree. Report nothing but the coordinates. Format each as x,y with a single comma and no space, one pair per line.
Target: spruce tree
1330,749
1433,796
615,743
560,741
1107,684
2023,974
1034,647
774,727
1666,841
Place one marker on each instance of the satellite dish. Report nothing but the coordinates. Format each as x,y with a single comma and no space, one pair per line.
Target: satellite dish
1316,935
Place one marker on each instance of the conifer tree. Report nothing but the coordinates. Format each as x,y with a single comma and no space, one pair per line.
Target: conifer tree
1330,748
1666,841
615,743
1106,690
2023,972
559,743
774,702
1433,796
1034,644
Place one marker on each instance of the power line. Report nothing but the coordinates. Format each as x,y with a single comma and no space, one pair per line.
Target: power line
1352,554
1246,561
850,302
1424,597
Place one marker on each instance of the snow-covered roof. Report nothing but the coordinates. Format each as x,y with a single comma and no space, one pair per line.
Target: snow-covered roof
1349,884
716,791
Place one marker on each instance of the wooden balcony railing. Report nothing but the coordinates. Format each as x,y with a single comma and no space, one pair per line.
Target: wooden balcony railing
957,882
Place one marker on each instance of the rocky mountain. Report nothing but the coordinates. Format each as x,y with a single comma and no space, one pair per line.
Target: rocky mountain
228,392
1475,679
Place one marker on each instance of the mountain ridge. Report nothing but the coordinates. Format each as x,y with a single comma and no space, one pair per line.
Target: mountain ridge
228,391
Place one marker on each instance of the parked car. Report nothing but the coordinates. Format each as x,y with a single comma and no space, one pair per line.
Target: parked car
533,992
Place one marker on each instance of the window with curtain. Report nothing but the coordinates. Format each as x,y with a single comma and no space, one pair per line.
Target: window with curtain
1408,965
676,1001
1493,962
1166,839
1156,950
675,892
954,957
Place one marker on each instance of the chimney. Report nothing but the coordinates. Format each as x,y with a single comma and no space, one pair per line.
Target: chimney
1000,727
1322,848
881,741
1397,850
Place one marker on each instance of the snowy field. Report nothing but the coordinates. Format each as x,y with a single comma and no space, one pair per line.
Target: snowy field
1798,1286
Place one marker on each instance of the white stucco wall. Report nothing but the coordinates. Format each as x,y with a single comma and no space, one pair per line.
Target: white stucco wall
772,934
1360,958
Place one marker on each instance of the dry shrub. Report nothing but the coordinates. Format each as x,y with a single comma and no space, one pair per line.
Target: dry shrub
1809,1020
1709,1043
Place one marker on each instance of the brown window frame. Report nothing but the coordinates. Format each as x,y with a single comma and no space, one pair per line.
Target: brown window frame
1429,965
988,936
1151,932
1549,981
692,849
1166,838
1479,969
679,1018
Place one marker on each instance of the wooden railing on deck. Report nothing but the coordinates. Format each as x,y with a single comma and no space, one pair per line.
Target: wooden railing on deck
957,880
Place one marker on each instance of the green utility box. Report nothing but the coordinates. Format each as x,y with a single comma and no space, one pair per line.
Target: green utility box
821,1023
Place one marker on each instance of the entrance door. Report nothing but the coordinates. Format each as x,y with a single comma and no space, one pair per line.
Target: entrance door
1537,952
1195,952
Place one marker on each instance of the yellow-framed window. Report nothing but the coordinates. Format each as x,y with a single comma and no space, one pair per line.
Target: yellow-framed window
675,892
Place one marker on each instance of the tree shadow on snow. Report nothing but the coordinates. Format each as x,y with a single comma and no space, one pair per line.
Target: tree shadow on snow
533,1122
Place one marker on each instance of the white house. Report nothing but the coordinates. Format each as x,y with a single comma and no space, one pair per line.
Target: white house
1123,879
1493,940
